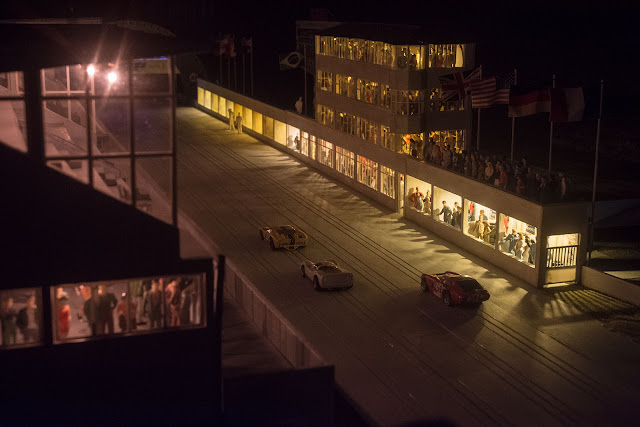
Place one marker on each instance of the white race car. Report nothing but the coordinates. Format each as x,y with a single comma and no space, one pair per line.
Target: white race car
326,275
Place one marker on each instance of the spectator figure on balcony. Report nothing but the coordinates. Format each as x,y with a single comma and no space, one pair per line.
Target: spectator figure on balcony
521,187
562,186
466,168
482,216
413,147
231,121
446,157
446,212
488,172
126,312
90,310
172,298
544,190
426,150
527,248
488,232
436,155
299,106
503,179
239,123
478,229
296,142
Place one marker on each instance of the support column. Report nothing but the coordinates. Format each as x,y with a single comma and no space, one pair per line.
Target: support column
33,114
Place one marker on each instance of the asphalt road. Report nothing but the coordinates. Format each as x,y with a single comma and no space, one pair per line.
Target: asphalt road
525,357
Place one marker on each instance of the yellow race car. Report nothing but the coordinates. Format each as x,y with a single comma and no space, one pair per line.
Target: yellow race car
284,236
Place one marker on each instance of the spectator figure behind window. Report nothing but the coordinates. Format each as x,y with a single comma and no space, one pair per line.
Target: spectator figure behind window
299,106
446,211
427,203
436,155
415,196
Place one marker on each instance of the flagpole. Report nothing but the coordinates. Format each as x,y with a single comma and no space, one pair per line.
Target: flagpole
513,119
592,219
243,73
551,130
251,64
304,70
478,130
235,74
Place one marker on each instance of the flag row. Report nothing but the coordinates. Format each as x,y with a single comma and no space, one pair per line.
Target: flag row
562,104
227,45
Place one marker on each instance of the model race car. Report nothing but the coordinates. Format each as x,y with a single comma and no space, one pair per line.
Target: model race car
326,275
454,288
283,236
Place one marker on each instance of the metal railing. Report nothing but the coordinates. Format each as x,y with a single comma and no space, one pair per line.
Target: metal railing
562,256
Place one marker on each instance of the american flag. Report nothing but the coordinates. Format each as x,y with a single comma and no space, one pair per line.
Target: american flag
457,84
490,91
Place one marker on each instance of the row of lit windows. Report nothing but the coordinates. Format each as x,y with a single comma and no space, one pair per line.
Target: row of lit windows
416,57
412,144
401,102
97,310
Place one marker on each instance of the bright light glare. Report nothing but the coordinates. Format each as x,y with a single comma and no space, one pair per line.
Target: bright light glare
91,70
112,76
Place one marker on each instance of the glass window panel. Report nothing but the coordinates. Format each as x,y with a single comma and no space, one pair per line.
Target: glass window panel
110,79
442,198
345,162
267,127
151,75
20,318
62,136
293,138
518,239
152,117
367,172
207,99
13,82
76,169
312,147
482,222
215,107
200,96
13,129
563,240
113,177
64,80
419,195
153,182
387,182
247,118
222,106
257,122
280,132
112,126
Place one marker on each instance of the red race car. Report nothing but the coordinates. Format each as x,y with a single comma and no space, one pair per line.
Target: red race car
454,288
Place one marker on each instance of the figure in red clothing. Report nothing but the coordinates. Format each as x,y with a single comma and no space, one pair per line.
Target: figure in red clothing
64,313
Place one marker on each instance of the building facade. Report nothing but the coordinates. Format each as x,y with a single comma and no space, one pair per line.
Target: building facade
378,105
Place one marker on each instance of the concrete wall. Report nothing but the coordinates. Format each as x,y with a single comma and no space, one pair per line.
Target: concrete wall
284,336
611,285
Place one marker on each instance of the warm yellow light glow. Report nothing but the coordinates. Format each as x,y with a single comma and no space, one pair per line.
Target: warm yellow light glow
112,76
91,70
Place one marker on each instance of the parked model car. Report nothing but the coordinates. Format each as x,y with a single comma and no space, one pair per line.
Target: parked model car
326,274
284,236
454,288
